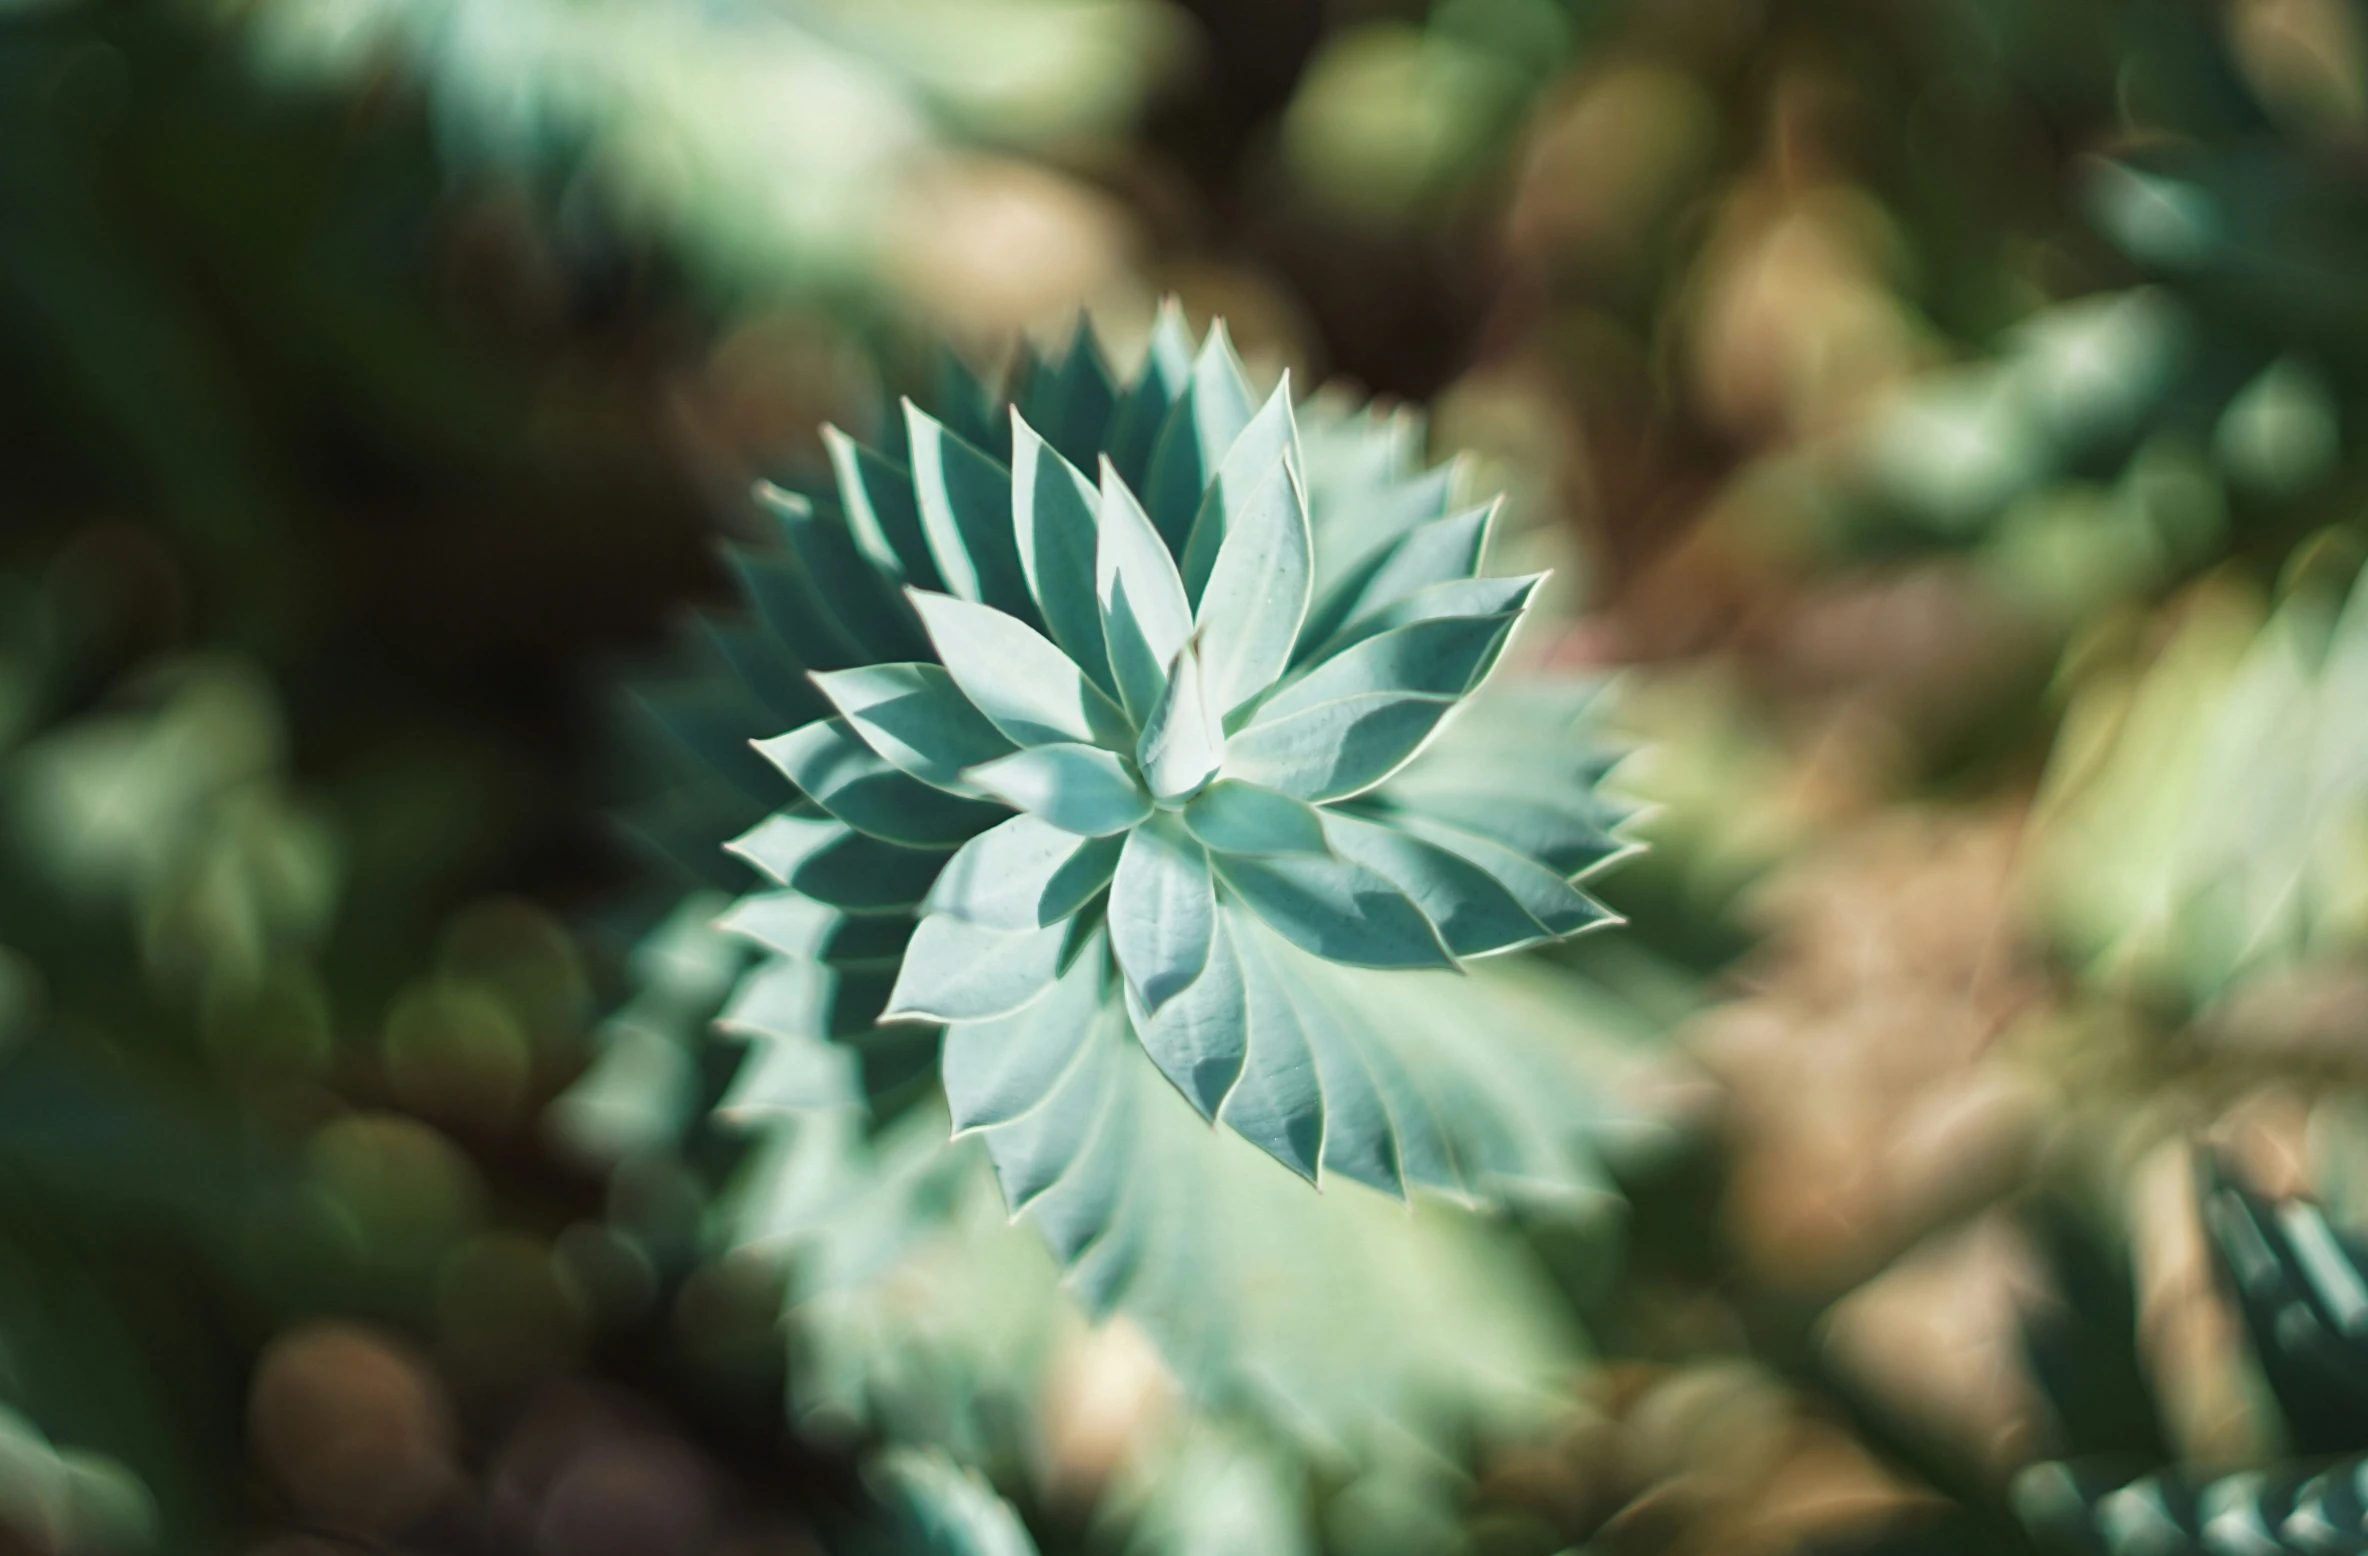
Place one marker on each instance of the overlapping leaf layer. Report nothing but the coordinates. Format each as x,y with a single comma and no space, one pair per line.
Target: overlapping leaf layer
1110,715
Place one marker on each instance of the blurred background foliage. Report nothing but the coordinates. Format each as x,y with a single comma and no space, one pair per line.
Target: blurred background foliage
1945,418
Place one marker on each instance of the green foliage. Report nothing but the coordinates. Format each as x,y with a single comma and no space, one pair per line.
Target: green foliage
2204,821
1172,770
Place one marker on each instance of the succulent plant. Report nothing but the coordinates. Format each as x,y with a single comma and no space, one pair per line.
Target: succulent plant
1186,760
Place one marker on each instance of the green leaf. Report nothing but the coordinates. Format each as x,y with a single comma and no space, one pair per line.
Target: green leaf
787,923
1034,1150
1335,748
1183,741
1472,911
1463,598
997,1071
1336,908
1273,434
1162,911
946,1511
1052,509
1145,620
965,502
851,781
1545,896
1206,421
1429,658
1072,404
1032,691
1277,1103
1257,590
1143,410
1024,874
881,513
915,716
845,592
954,971
1199,1037
1569,835
832,862
1233,817
1437,552
1078,788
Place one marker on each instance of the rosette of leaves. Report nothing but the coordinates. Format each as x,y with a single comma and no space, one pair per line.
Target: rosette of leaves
1175,763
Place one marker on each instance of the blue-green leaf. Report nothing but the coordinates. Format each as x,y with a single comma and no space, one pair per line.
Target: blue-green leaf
964,497
1476,599
1277,1104
1256,597
1071,404
1183,741
914,715
1199,1036
1472,911
1545,896
955,971
1052,512
881,513
1143,410
1162,911
1205,423
1035,1149
1024,874
1233,817
1336,908
832,862
1145,620
947,1511
1440,551
1273,434
854,783
996,1071
1434,658
1078,788
853,597
1032,691
1335,748
787,923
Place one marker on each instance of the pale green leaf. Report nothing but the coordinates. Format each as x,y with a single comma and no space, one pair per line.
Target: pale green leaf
1183,741
1440,551
915,716
1472,911
1430,658
955,971
1162,911
1277,1104
881,514
1234,817
787,923
1024,874
947,1511
1199,1036
1206,422
1336,908
1335,748
1011,673
1273,434
851,781
826,859
1145,620
965,502
1143,409
1053,510
1078,788
996,1071
1553,901
1256,597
